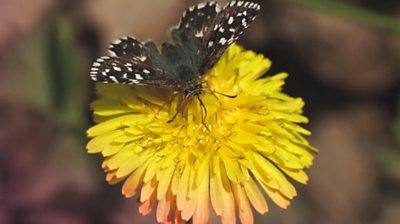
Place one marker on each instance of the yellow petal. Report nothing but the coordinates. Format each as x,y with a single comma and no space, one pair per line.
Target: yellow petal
255,196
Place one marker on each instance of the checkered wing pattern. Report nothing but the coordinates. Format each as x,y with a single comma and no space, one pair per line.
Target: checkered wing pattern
204,33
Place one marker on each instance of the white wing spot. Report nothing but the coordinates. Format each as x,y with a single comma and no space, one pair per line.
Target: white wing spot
117,68
112,53
232,30
210,44
125,76
231,40
221,29
244,22
113,78
117,42
201,5
95,69
138,76
230,21
240,3
146,71
134,81
217,8
222,41
199,34
142,58
96,64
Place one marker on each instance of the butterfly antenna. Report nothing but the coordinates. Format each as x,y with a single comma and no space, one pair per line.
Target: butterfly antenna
226,95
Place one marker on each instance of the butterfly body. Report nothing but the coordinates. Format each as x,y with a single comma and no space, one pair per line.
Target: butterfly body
204,33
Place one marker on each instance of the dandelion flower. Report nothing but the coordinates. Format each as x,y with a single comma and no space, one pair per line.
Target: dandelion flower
227,161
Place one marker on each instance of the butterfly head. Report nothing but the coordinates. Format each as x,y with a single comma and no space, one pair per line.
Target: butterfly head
192,89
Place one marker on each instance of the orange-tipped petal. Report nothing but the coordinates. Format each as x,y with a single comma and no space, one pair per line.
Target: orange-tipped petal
244,209
202,213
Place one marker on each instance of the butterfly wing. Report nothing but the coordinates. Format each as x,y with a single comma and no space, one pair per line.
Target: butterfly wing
195,23
188,35
205,31
227,27
132,62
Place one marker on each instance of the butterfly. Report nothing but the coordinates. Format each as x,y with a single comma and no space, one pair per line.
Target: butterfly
202,36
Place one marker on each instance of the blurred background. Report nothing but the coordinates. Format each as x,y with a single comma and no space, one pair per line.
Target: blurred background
343,58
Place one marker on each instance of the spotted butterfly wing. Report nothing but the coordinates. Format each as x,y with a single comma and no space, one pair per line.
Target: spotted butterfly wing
132,62
227,27
194,24
206,31
188,35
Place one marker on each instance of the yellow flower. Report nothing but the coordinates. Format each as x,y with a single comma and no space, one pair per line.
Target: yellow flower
221,160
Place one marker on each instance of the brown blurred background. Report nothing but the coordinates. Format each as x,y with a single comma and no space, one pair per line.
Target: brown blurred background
343,58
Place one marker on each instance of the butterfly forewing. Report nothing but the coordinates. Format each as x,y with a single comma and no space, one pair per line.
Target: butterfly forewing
227,27
121,70
195,22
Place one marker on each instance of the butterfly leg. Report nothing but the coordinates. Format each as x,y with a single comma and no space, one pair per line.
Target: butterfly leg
203,108
180,108
171,98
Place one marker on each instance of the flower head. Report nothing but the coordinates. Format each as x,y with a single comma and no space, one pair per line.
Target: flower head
244,146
